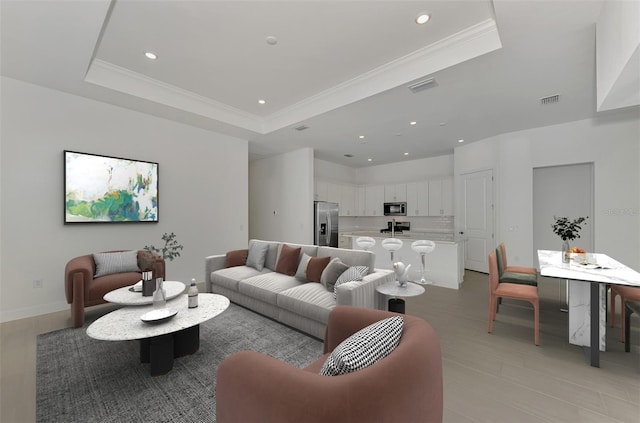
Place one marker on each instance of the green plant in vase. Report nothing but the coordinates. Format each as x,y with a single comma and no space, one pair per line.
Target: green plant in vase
171,248
567,230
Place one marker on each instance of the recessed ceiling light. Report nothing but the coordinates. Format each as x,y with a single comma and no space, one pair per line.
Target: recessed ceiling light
443,123
369,159
150,55
406,154
460,140
271,40
262,101
422,18
413,122
361,137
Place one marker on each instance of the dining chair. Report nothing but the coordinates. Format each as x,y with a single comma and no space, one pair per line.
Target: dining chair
514,291
626,293
514,274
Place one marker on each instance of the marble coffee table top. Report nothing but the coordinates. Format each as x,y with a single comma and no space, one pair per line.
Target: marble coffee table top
124,324
124,296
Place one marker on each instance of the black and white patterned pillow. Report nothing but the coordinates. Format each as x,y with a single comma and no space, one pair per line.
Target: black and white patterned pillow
365,347
354,273
117,262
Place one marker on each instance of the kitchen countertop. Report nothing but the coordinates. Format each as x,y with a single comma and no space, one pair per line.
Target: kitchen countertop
437,237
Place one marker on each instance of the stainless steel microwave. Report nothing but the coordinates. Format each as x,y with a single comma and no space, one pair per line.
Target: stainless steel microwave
395,209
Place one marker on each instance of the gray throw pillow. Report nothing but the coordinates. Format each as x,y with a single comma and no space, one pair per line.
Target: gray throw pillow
365,347
332,272
118,262
354,273
257,253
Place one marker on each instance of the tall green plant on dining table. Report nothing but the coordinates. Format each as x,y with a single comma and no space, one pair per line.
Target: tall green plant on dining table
567,230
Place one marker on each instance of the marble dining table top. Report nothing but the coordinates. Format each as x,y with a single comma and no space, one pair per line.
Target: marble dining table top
592,267
126,324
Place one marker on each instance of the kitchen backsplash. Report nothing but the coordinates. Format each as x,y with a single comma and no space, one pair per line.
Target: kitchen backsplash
418,224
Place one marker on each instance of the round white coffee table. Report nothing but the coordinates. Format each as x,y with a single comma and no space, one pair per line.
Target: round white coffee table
160,342
125,295
397,292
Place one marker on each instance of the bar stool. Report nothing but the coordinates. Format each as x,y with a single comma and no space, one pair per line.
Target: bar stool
365,242
392,245
423,247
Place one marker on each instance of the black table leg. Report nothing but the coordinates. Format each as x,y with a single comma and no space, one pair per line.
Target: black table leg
158,352
186,341
396,305
595,325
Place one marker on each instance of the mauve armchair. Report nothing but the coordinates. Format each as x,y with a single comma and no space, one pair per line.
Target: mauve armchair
405,386
82,290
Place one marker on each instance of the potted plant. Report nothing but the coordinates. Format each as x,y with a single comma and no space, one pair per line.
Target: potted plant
169,251
567,230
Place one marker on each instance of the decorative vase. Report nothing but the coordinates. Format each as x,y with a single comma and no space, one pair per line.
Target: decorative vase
148,284
566,254
159,297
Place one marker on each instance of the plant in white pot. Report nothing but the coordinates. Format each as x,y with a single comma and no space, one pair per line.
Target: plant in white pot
567,230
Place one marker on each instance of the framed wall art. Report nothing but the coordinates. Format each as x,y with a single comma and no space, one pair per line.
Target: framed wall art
103,189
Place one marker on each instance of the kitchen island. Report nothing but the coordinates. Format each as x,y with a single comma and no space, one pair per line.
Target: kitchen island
445,265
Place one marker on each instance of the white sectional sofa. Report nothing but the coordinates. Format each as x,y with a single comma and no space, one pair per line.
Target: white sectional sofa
291,299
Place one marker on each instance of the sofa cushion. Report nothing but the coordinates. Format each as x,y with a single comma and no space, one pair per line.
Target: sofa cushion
230,276
288,260
310,268
116,262
355,273
267,286
311,300
257,254
315,268
365,347
350,257
237,258
332,272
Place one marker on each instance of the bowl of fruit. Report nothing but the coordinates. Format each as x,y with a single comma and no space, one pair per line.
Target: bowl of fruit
577,254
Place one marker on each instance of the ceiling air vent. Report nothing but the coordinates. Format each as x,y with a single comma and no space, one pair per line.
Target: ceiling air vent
301,127
550,99
422,85
348,155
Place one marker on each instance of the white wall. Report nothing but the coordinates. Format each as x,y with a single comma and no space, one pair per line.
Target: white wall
406,171
610,141
203,191
281,197
333,172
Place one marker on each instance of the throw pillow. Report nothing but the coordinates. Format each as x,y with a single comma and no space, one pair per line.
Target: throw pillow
365,347
354,273
301,273
288,260
315,268
256,255
237,258
332,272
118,262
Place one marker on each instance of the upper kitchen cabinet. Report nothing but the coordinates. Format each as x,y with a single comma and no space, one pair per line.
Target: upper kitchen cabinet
361,205
334,192
348,200
321,190
374,200
394,193
418,198
441,197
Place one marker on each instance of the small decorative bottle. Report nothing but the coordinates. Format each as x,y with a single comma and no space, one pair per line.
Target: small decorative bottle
193,294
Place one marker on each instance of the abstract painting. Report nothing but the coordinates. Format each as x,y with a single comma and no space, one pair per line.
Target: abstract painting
102,189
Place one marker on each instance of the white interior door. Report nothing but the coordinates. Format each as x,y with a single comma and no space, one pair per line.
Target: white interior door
477,218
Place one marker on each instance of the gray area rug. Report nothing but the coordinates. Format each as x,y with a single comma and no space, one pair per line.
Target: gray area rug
80,379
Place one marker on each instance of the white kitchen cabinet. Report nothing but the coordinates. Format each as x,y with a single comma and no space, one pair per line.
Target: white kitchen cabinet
418,198
348,200
361,207
394,193
374,200
333,192
441,197
321,190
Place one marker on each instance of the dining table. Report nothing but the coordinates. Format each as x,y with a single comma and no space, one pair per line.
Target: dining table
589,275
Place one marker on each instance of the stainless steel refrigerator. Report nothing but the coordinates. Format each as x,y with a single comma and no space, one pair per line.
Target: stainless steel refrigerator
325,218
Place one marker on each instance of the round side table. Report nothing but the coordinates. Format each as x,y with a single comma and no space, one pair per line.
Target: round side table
397,292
